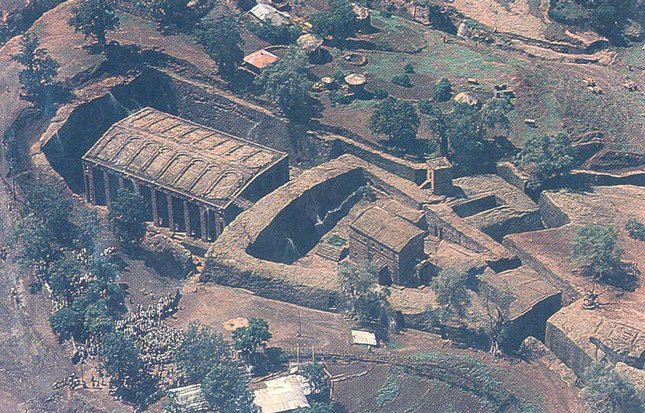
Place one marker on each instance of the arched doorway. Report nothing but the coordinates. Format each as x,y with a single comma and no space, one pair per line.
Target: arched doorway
384,276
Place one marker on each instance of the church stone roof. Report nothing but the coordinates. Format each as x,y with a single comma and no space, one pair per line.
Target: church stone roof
386,228
200,163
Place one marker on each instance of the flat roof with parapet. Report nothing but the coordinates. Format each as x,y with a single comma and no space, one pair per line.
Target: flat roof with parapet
192,160
386,228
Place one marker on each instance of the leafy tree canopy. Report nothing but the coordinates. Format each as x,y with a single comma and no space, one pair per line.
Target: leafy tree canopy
339,22
222,39
128,375
316,375
546,157
127,218
597,249
32,238
636,229
168,12
451,292
47,199
287,84
201,349
226,390
396,119
248,340
94,18
606,391
442,91
40,68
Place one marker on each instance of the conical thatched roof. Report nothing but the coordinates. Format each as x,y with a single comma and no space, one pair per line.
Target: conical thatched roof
467,99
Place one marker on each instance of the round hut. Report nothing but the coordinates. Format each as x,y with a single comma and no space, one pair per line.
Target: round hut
310,44
362,17
355,82
467,98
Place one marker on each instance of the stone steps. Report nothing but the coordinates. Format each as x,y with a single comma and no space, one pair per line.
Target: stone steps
331,252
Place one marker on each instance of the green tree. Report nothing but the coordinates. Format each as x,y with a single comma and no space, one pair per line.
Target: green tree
286,83
451,292
465,145
357,279
248,340
596,247
546,158
364,298
40,69
222,39
636,229
47,199
604,19
94,18
168,13
120,359
89,226
606,391
339,22
199,351
396,119
436,123
97,320
127,218
32,239
494,114
442,90
69,321
315,374
61,275
226,390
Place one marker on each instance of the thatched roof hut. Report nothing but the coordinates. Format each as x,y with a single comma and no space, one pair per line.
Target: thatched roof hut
467,99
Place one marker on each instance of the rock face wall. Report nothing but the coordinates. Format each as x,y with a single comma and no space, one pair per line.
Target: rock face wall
580,337
301,224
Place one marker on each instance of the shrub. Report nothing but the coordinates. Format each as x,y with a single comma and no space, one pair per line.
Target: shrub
339,22
636,229
381,93
275,34
597,249
408,68
337,98
396,119
425,107
546,158
442,90
402,80
606,391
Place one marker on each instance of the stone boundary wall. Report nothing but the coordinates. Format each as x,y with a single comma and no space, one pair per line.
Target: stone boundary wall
272,288
511,174
552,216
412,171
476,205
529,221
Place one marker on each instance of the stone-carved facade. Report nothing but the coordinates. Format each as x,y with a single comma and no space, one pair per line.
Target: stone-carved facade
192,178
389,242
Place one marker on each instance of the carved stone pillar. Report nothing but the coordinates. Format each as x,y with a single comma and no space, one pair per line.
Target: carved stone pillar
108,194
155,211
203,223
90,191
171,216
187,218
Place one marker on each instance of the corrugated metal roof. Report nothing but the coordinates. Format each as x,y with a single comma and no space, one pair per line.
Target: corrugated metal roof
201,163
282,394
260,59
